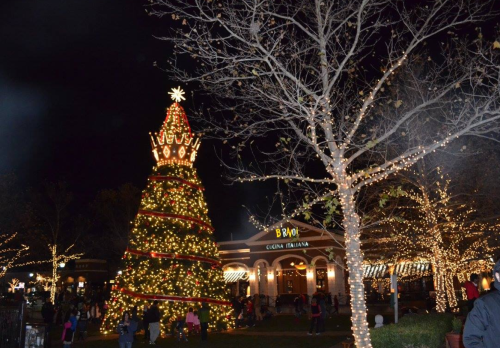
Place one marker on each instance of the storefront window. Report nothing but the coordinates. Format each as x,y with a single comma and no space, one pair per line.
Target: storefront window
321,280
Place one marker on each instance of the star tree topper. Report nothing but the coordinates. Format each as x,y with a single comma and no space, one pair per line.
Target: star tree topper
177,94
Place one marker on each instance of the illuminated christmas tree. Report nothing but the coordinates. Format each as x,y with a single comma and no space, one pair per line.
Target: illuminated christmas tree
171,256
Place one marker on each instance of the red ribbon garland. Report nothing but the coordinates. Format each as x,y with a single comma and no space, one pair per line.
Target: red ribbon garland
175,216
173,178
153,254
173,298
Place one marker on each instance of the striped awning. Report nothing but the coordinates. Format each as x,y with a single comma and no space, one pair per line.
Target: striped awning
412,268
402,269
374,271
234,276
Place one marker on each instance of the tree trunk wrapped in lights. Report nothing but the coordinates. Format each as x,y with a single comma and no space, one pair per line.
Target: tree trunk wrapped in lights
171,256
333,84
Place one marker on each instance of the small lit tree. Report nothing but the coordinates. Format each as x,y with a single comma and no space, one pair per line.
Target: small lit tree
13,284
48,211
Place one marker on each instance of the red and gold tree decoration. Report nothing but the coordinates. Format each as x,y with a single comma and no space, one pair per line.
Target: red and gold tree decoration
171,256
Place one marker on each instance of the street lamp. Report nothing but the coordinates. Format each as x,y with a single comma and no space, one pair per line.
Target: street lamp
62,265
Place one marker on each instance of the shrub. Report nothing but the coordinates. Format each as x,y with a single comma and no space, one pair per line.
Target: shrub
456,325
420,331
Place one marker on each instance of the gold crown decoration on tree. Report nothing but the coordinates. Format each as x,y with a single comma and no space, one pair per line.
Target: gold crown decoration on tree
175,143
171,255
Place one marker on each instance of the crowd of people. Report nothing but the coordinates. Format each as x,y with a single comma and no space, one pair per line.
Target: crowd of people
194,322
74,313
249,310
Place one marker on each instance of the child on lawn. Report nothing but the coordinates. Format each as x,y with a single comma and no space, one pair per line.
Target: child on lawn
196,323
190,320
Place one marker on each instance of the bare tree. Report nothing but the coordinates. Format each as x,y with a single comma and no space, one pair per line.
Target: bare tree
114,211
13,284
318,78
49,225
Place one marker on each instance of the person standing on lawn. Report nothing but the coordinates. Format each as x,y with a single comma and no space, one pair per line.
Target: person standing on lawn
48,312
336,304
298,312
136,319
204,315
250,313
67,335
315,316
257,307
145,322
196,323
126,330
83,319
471,290
237,311
190,320
154,322
482,327
180,328
322,305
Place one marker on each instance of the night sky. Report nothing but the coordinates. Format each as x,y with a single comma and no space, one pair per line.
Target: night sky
79,95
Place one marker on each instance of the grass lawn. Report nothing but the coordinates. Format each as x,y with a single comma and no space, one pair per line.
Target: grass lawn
279,331
282,323
225,341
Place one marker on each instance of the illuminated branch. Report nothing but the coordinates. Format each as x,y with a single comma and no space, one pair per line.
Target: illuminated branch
13,284
10,256
309,75
438,230
56,260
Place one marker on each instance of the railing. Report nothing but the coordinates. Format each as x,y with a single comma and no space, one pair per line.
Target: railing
11,325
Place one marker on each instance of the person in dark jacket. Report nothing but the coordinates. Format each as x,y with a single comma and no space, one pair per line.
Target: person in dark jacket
204,315
322,304
482,328
48,313
315,317
145,322
154,322
237,311
135,317
336,304
83,319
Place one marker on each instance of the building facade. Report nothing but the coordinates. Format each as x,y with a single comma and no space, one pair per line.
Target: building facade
289,258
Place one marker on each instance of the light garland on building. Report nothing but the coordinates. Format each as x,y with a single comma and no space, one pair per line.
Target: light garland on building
171,256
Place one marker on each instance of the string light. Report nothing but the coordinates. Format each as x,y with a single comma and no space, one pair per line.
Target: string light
9,256
440,232
171,256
